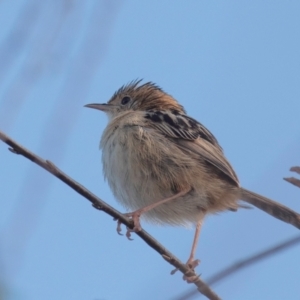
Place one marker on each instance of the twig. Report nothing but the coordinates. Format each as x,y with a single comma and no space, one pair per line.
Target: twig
239,265
294,180
16,148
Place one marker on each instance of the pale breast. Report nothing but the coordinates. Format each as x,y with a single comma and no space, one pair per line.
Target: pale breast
142,168
128,174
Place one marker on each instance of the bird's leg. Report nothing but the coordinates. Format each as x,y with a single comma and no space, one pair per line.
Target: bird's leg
192,263
135,215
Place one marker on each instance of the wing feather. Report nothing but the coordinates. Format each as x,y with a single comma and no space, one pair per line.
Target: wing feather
193,138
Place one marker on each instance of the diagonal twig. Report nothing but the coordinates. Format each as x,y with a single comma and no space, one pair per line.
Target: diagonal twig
16,148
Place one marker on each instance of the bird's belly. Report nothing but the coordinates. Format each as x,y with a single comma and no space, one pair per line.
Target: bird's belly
138,176
131,184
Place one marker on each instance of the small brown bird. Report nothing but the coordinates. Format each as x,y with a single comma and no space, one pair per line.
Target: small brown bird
168,167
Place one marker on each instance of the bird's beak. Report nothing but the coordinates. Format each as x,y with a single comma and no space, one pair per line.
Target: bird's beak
99,106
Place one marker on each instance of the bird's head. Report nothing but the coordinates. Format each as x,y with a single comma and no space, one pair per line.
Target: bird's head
133,96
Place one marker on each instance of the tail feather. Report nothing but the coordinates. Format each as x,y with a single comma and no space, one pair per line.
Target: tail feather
271,207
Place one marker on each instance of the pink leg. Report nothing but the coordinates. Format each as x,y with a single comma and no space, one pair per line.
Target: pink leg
135,216
192,263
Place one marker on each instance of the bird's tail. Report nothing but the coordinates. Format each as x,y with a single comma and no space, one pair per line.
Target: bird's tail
271,207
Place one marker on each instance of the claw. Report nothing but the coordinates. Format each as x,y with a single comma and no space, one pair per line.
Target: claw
135,217
128,234
119,228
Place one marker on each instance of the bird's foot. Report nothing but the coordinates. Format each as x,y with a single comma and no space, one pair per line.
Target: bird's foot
190,276
135,217
192,264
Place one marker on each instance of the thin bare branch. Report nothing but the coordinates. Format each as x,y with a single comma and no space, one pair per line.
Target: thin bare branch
244,263
295,169
294,180
16,148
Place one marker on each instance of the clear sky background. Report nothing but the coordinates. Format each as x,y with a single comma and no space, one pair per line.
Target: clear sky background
234,65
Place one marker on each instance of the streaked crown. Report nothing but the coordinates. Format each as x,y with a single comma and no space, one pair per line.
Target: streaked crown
147,96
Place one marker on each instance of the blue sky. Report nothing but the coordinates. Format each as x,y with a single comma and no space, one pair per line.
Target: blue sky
234,65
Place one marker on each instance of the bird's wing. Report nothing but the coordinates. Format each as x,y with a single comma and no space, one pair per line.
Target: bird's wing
193,138
202,149
178,125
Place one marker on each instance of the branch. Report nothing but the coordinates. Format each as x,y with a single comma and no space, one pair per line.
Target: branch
294,180
99,204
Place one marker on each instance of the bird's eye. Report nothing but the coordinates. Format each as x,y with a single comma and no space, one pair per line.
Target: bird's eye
125,100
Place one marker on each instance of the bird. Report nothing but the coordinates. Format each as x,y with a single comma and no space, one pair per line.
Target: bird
168,168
